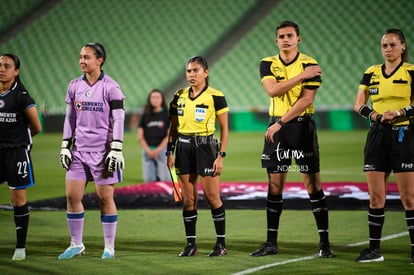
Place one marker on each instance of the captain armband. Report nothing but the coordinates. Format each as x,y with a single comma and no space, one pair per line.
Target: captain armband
365,112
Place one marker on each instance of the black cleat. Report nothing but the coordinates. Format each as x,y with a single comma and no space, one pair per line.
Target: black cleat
325,250
218,250
370,255
265,249
189,250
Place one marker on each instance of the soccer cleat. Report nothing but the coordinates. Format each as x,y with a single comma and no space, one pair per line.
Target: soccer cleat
108,253
189,250
72,251
19,254
218,250
370,255
265,249
325,250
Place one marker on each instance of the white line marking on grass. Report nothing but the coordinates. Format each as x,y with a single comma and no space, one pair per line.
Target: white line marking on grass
251,270
383,239
261,267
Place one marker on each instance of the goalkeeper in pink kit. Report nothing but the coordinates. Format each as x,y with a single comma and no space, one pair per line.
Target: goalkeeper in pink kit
92,147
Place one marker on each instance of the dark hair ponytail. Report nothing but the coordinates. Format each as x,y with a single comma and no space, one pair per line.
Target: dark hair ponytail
99,50
200,60
404,54
16,62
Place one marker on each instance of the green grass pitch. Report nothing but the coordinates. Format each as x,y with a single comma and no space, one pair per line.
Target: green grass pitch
148,241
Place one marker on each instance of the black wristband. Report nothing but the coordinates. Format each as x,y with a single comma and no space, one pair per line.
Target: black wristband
408,111
378,118
170,148
280,122
365,111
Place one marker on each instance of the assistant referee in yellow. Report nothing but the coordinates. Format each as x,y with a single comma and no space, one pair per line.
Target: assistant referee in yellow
194,112
291,79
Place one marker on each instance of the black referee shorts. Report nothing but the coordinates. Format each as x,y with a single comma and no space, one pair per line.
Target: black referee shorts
195,155
16,168
297,140
389,148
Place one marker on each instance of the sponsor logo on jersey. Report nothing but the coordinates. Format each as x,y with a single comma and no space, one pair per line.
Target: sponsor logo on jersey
89,106
373,91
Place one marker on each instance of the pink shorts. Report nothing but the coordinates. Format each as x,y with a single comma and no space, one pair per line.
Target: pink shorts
89,166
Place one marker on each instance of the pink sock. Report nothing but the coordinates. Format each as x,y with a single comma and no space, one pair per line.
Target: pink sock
75,225
109,223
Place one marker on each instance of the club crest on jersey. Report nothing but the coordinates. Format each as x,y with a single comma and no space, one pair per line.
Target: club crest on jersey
2,103
88,93
200,114
78,105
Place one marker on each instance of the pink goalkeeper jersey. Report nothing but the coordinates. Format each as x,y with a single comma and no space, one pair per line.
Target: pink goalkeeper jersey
89,118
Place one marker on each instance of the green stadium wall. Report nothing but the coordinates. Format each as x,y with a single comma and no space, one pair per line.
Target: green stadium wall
336,120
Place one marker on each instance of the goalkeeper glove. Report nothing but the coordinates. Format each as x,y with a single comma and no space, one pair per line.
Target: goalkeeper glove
114,161
65,154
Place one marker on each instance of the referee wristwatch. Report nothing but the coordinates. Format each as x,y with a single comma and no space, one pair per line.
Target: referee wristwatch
222,154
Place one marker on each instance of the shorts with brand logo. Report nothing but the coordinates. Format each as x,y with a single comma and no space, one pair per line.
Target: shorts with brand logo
389,148
296,140
195,155
90,166
16,168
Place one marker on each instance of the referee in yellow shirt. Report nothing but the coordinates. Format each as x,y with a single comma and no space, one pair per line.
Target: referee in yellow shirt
389,145
291,79
194,112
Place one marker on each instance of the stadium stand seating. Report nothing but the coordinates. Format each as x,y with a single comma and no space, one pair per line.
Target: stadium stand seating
147,42
344,36
14,10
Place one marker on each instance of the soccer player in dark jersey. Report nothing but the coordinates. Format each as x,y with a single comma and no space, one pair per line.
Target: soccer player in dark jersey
19,122
291,79
91,150
153,136
194,112
390,141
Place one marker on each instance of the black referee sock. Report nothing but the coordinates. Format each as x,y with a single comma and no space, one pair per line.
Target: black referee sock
409,217
190,221
21,220
274,209
376,219
219,218
320,212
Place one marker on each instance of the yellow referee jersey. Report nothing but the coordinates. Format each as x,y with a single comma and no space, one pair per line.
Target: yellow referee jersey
389,93
274,67
197,116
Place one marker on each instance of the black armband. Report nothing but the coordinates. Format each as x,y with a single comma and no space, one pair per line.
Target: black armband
116,104
365,112
408,111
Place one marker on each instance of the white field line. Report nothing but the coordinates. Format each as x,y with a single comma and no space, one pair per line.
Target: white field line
261,267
